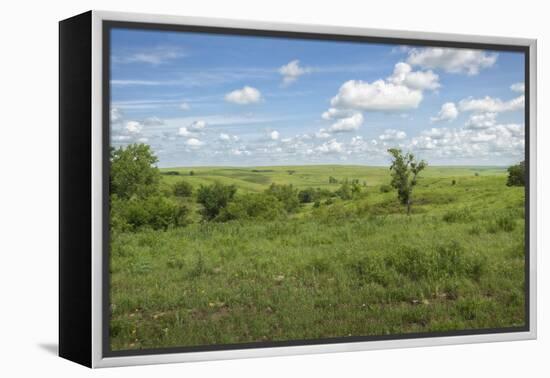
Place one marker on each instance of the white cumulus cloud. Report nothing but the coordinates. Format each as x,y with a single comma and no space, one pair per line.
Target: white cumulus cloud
194,142
403,74
350,123
452,60
246,95
335,113
322,134
133,127
448,112
292,71
481,120
330,147
490,104
377,96
274,135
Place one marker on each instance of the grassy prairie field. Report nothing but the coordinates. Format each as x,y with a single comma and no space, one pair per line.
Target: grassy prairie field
346,268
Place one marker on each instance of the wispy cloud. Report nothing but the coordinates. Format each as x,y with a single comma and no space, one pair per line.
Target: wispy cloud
154,56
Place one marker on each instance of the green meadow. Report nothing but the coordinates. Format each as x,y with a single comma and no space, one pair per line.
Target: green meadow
332,267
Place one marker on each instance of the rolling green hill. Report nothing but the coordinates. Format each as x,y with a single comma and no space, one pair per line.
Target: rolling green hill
343,268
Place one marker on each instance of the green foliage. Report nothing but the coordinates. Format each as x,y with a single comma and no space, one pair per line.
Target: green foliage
516,175
345,191
332,180
214,198
155,211
349,189
307,195
255,205
183,189
286,194
133,171
404,171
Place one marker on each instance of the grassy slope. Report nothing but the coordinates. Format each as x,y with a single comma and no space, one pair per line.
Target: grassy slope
353,268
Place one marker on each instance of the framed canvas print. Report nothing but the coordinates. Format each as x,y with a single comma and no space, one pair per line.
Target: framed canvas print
239,189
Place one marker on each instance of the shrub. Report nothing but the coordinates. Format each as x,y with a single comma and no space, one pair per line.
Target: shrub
314,194
385,188
255,205
453,182
307,195
332,180
156,212
183,189
214,198
286,194
516,175
345,191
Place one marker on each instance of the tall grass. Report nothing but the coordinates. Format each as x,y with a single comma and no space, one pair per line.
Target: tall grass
357,267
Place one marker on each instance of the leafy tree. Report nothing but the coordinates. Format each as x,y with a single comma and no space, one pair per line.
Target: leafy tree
214,198
516,175
133,171
404,170
286,194
183,189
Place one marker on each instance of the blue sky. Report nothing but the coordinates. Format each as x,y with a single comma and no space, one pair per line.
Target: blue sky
206,99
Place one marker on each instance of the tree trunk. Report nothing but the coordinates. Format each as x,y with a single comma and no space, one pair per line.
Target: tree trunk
408,207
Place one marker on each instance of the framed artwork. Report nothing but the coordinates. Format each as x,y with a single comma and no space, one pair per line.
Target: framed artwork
236,189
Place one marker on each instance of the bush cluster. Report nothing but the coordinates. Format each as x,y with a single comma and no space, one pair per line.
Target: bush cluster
136,200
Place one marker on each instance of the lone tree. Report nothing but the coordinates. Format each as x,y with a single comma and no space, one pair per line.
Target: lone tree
516,175
134,172
404,171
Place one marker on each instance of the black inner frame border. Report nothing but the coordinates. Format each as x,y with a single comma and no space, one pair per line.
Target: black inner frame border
108,25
